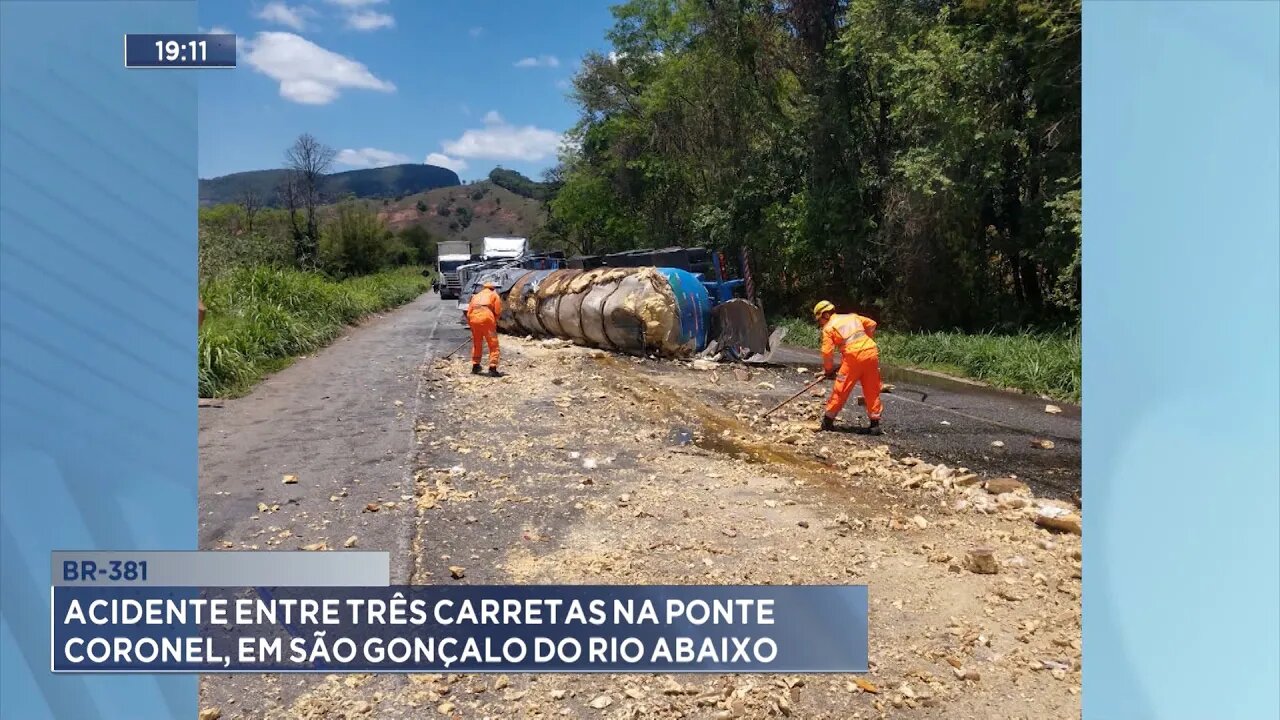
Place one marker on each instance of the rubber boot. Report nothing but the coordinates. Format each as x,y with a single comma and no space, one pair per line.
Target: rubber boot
493,372
475,369
874,428
828,423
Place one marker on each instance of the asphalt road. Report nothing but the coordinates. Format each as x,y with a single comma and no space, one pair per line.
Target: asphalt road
942,420
342,423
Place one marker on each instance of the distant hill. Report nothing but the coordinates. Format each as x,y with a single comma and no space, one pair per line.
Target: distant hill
392,181
467,212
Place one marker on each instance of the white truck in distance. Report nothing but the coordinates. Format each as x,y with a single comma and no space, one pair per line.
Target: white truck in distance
503,247
450,254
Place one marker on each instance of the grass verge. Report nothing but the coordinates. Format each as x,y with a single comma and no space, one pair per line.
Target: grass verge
259,318
1041,363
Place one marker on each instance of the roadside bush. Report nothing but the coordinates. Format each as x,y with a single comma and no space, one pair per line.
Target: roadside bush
418,239
260,317
355,242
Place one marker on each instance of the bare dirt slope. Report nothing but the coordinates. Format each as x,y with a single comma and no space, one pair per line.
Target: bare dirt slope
466,212
585,468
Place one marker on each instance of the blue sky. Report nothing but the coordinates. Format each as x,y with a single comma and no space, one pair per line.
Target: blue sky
472,84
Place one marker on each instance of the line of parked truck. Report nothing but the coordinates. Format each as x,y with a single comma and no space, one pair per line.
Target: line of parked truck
674,301
452,256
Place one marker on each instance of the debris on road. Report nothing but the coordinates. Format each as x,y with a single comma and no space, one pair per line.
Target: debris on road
1059,520
668,479
864,685
290,479
982,561
1000,486
1052,409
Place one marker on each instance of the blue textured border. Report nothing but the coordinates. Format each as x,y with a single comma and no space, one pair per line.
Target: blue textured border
97,326
1181,475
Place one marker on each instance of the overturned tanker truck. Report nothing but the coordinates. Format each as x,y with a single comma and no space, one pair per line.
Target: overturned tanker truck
674,302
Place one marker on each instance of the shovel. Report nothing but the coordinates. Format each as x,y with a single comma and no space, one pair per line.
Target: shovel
802,391
451,352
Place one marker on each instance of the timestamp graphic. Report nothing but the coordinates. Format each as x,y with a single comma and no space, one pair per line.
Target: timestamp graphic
204,50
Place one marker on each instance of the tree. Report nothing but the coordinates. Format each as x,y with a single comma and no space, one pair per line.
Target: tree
251,203
920,159
307,162
517,183
291,199
421,242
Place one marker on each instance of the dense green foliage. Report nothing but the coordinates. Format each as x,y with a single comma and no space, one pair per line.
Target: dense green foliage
918,160
230,238
356,242
353,241
259,317
393,181
265,305
1041,363
519,184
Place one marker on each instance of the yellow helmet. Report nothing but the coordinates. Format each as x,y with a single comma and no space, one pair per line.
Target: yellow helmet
823,307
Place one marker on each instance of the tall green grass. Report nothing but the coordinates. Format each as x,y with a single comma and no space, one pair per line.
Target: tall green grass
1041,363
258,318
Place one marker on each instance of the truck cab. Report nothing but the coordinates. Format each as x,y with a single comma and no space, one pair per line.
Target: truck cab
451,255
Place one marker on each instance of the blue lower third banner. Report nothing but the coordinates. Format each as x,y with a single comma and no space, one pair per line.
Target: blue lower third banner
464,629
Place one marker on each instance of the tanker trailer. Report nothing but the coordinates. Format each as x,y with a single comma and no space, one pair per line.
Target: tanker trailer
663,311
638,310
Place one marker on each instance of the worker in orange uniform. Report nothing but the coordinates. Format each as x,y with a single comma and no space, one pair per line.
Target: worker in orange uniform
482,316
859,361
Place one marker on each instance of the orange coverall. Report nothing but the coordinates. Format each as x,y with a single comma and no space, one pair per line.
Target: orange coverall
482,317
859,361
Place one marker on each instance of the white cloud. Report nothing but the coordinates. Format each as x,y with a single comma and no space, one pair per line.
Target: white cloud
444,161
370,158
282,14
476,31
540,61
564,84
500,140
308,73
219,30
352,4
370,20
